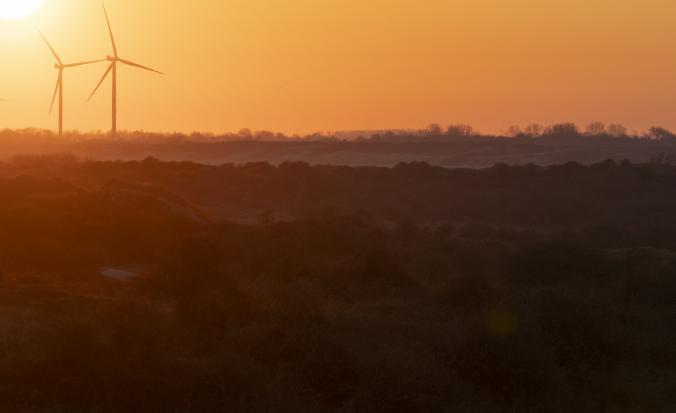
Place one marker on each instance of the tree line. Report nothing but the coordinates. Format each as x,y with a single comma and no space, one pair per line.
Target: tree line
432,131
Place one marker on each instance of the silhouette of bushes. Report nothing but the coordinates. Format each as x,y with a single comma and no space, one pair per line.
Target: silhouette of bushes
337,305
511,370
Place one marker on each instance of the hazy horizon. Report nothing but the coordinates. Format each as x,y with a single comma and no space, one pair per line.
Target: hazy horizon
303,206
300,66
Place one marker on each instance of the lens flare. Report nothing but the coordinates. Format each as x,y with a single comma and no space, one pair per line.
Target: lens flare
17,9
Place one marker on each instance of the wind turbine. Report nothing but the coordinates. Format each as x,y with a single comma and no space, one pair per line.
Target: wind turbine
60,66
113,68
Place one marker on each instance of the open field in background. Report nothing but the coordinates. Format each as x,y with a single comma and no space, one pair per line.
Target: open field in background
451,152
300,288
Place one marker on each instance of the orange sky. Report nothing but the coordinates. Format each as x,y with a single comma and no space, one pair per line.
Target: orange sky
308,65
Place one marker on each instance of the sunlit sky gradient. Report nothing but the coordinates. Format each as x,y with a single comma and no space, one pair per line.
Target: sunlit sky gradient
305,65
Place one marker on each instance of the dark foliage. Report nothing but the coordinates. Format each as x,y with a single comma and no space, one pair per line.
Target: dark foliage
298,288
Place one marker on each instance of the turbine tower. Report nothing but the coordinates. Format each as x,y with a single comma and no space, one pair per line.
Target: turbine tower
60,66
113,68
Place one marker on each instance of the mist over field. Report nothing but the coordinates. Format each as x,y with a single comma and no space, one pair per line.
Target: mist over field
180,286
457,146
374,265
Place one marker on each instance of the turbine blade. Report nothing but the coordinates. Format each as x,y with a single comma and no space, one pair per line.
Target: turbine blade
110,67
127,62
84,63
110,30
56,90
58,59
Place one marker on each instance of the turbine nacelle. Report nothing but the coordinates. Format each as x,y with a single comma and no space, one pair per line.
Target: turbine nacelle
58,91
114,59
112,70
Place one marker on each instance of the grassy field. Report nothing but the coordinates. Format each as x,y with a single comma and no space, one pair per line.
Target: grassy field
386,151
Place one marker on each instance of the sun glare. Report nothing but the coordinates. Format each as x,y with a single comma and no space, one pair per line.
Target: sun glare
17,9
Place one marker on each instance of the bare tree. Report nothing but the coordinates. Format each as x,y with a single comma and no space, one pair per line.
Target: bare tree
245,134
563,130
514,131
596,129
434,130
459,130
264,135
616,130
534,130
659,134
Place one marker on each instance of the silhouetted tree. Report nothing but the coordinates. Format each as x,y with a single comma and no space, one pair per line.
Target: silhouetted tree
264,135
616,130
245,134
459,130
433,129
534,130
514,131
563,130
659,134
596,129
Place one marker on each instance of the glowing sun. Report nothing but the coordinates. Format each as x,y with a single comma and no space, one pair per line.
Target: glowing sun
17,9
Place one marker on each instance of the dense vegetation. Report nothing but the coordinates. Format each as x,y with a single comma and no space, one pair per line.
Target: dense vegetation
300,288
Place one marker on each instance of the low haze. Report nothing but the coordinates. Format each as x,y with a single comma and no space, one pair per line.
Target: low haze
337,206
